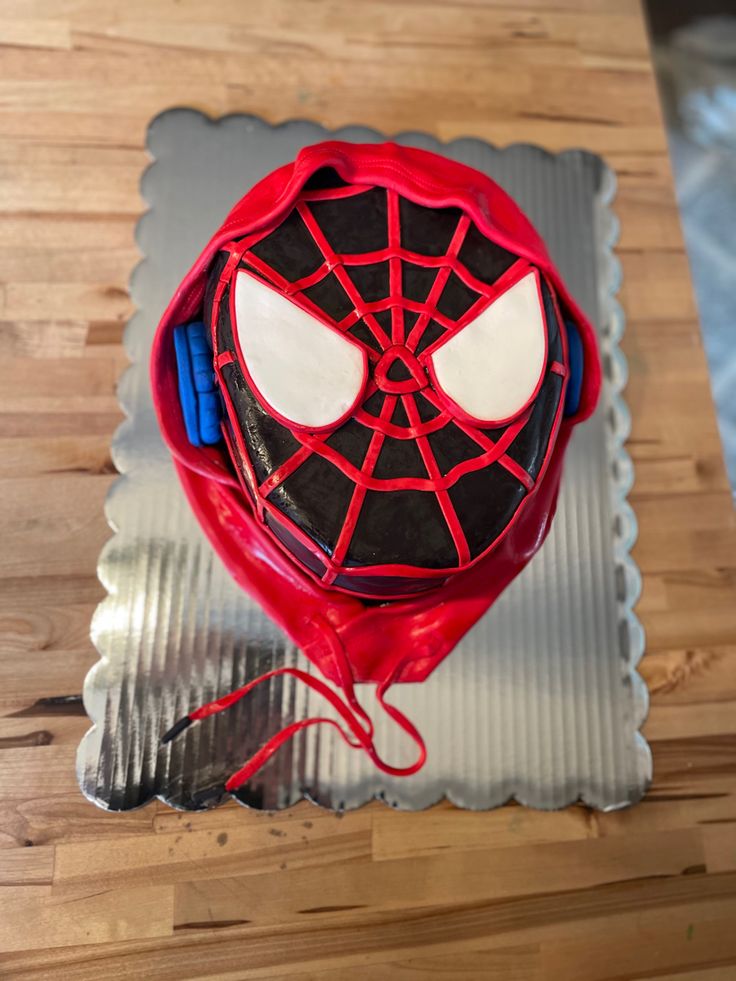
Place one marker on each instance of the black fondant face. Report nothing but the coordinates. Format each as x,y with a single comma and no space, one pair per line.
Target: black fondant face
409,488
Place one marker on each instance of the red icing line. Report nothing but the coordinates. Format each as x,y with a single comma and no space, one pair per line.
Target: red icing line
443,498
508,279
317,444
356,502
498,447
402,432
285,470
233,434
428,311
394,266
366,258
414,383
284,285
342,277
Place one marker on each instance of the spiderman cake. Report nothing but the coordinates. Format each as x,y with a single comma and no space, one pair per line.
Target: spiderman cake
368,381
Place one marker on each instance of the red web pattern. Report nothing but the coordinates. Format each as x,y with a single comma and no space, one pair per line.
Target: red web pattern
437,482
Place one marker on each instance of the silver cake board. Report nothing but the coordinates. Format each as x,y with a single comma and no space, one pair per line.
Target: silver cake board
540,702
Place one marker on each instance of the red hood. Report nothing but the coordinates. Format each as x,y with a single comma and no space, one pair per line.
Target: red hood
418,632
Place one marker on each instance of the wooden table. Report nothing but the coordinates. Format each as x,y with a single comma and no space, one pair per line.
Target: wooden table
511,894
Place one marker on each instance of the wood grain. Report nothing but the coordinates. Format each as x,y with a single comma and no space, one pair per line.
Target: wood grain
512,894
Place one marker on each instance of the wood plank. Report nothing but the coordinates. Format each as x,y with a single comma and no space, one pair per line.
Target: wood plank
32,920
80,265
351,891
256,849
42,818
35,235
651,906
89,301
61,376
408,834
35,33
688,938
60,525
677,721
26,866
41,591
516,963
59,730
57,338
52,456
723,973
719,844
48,630
42,766
668,807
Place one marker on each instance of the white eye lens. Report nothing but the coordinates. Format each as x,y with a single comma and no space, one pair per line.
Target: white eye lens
492,367
305,371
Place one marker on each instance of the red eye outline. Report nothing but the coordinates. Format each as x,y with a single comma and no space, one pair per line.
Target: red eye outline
315,314
521,272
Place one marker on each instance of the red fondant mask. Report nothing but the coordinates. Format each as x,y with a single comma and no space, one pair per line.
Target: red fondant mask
390,339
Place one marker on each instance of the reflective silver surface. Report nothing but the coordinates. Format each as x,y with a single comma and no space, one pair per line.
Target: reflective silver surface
540,701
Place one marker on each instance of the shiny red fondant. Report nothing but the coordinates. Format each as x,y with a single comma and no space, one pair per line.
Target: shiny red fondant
403,639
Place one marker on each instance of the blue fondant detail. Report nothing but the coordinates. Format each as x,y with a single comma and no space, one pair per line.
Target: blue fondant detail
209,417
200,402
575,381
187,393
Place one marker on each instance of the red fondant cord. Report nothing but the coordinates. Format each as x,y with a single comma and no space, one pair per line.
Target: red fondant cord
357,732
264,754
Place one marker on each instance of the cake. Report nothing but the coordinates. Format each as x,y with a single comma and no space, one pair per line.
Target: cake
368,381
